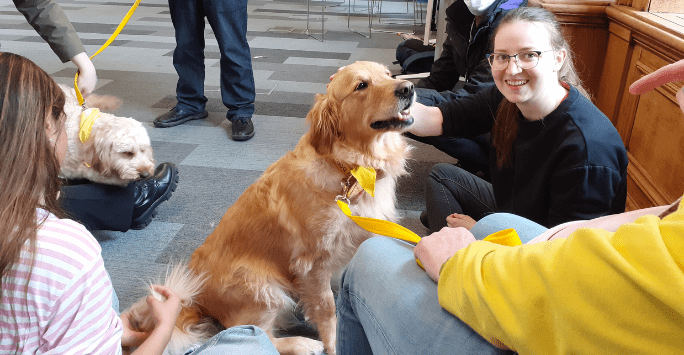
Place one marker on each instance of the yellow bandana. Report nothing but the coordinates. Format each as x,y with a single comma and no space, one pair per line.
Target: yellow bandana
366,178
87,122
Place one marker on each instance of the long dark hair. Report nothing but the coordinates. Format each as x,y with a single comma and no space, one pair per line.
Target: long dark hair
505,129
28,166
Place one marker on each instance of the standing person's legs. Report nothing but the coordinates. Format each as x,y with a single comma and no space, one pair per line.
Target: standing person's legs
450,189
228,19
492,223
187,17
389,305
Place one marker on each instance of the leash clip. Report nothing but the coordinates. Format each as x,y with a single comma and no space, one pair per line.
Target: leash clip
344,199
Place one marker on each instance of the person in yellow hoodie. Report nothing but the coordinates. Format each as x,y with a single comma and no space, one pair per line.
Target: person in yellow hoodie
611,285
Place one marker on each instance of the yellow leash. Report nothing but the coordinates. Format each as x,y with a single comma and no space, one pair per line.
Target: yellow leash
507,237
123,23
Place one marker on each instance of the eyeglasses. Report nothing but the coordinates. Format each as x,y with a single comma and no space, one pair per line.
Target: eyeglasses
524,60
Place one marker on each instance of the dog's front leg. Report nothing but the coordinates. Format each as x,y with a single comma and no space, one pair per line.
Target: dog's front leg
319,306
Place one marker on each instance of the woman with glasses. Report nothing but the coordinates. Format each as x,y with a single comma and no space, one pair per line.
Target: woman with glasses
554,156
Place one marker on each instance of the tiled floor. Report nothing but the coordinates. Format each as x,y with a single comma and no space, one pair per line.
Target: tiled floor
289,69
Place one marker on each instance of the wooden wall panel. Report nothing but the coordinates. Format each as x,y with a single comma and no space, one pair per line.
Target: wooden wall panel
611,82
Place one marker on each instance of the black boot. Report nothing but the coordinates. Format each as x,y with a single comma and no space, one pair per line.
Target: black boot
151,192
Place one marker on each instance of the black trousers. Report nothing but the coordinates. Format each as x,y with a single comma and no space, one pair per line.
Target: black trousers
98,206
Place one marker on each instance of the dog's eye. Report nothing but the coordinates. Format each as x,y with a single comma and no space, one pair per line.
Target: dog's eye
128,154
362,85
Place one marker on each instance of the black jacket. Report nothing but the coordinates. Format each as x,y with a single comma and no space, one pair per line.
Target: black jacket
462,57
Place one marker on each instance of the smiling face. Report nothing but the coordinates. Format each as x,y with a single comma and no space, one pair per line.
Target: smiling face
534,87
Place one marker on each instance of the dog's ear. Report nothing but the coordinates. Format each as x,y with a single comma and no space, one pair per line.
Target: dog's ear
90,156
99,151
324,121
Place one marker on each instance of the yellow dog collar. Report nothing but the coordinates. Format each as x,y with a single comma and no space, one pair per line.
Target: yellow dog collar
87,121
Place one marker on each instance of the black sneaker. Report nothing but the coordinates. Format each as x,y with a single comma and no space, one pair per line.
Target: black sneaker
242,129
151,192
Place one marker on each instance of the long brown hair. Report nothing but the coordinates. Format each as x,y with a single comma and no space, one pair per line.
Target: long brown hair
28,166
505,129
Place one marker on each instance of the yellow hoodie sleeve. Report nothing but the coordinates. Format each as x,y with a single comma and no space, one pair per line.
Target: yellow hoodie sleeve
595,292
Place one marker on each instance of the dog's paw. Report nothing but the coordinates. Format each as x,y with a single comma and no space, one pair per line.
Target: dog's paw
298,345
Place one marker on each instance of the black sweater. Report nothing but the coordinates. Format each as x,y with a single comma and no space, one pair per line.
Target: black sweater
571,165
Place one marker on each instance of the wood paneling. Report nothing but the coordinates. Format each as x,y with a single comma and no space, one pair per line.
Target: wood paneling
651,125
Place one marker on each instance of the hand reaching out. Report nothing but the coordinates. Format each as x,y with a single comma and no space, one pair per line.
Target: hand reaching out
436,248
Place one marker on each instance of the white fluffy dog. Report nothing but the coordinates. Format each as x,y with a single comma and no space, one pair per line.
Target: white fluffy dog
118,149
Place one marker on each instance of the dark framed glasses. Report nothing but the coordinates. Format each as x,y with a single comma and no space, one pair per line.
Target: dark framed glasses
524,60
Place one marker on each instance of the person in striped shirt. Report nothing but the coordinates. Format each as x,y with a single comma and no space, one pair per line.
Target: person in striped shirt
56,296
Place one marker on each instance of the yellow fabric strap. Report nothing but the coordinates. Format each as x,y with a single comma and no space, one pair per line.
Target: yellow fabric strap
366,178
123,23
87,121
507,237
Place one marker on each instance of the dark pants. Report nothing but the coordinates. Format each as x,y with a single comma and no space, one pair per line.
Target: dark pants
228,20
451,189
99,206
472,154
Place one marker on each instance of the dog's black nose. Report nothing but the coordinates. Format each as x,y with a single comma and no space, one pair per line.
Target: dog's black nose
404,90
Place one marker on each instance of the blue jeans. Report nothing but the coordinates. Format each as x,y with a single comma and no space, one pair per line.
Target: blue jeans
450,189
228,20
388,305
472,154
492,223
243,340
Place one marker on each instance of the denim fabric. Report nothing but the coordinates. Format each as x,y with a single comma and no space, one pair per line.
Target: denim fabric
492,223
450,189
472,154
389,305
228,20
242,340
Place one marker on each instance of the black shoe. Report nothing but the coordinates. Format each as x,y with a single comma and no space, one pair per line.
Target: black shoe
176,117
243,129
151,192
424,219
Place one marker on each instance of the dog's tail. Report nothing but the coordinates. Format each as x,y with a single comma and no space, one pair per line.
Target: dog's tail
191,329
105,103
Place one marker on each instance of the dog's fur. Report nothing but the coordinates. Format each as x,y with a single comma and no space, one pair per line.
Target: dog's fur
286,235
118,150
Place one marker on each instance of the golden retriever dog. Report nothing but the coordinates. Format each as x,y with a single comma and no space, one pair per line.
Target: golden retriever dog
118,150
286,235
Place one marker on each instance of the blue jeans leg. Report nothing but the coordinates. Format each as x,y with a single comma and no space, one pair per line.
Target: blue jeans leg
492,223
187,17
389,305
243,340
450,189
228,19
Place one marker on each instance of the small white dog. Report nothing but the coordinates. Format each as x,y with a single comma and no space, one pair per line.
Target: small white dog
117,150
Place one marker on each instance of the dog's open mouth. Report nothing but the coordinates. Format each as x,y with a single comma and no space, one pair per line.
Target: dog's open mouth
401,120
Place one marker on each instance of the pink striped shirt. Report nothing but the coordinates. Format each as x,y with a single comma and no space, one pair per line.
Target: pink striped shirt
67,307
